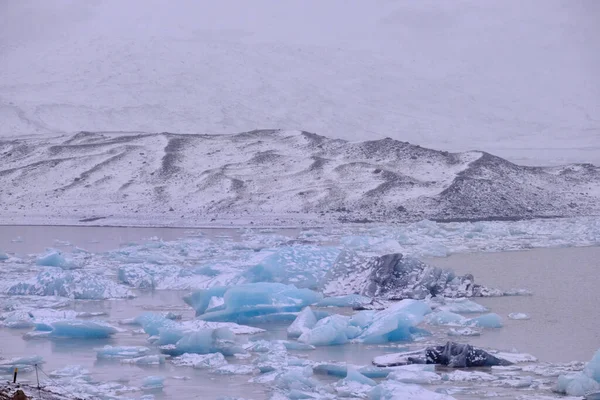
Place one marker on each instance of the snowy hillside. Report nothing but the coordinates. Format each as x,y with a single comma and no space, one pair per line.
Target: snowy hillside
273,177
516,79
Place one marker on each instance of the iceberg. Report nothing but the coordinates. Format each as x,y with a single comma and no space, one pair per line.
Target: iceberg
54,258
3,256
204,341
73,328
156,359
201,361
301,265
395,276
491,320
395,323
111,352
354,375
332,330
445,318
79,284
581,383
153,383
250,300
351,300
576,384
304,322
461,305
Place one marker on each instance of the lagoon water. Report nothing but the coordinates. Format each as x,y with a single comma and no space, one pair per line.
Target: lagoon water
564,324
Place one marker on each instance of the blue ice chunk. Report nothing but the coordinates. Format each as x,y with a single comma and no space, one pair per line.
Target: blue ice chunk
152,323
304,322
271,318
333,330
341,370
396,322
444,318
576,384
491,320
74,328
54,258
355,376
362,319
304,266
250,300
204,341
200,299
462,305
3,256
351,300
121,352
592,369
153,383
297,378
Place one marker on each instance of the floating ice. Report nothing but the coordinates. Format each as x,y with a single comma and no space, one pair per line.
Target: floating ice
78,284
592,369
393,390
395,323
419,377
205,341
463,332
121,352
304,322
491,320
353,375
73,328
394,276
153,383
332,330
462,305
445,318
156,359
297,346
518,316
301,265
3,256
54,258
250,300
351,300
580,383
22,363
201,361
69,372
236,369
577,384
362,319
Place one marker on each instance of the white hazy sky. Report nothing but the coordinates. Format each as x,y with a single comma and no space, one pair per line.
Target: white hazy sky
517,78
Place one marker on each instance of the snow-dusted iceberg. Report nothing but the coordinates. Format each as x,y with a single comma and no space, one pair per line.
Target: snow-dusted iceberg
73,328
55,258
395,323
113,352
395,276
246,301
304,322
332,330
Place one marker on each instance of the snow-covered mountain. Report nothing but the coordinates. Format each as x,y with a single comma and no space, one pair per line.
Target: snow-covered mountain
516,79
273,177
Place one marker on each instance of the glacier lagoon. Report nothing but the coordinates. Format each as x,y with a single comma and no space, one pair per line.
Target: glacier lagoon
153,269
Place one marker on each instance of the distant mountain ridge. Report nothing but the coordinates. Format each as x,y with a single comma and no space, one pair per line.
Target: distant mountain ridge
273,177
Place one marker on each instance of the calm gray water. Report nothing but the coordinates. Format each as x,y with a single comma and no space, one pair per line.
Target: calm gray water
565,320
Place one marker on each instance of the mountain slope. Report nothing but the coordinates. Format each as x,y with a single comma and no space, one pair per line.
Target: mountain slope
274,177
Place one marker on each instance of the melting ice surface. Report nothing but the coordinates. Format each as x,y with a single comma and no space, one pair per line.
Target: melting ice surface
263,279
